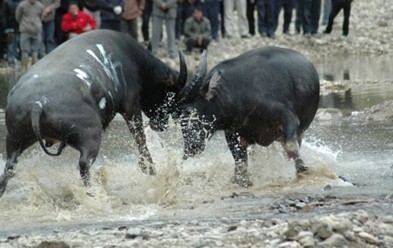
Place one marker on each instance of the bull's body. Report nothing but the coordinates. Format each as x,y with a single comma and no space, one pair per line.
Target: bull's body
74,92
264,95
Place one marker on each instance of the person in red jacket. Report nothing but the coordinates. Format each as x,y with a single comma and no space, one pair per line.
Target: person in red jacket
75,21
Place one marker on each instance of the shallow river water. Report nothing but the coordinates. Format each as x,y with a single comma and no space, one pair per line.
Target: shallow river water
47,192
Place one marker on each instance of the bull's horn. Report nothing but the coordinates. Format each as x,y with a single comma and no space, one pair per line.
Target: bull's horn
182,78
191,90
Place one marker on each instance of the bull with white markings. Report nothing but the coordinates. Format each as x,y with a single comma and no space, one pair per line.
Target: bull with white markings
73,93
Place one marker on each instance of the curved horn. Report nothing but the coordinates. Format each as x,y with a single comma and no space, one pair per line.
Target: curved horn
191,89
182,78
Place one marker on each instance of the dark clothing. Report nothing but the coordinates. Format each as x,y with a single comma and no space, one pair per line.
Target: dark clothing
184,10
307,17
266,21
337,5
211,10
146,19
8,10
110,20
288,6
91,5
251,6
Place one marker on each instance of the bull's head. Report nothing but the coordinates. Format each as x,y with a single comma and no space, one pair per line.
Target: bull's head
196,129
174,82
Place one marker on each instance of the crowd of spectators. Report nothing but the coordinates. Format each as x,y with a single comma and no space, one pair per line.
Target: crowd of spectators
30,29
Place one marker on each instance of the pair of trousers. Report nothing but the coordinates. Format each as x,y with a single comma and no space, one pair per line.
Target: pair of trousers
170,32
242,21
336,7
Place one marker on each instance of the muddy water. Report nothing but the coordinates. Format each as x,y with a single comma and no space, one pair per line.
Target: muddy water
47,192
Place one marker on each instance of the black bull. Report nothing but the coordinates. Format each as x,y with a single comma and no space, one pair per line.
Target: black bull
74,92
264,95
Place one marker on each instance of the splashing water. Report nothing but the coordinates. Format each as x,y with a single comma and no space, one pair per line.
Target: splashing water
49,190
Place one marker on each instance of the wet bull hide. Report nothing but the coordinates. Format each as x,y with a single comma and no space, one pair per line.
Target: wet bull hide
73,93
264,95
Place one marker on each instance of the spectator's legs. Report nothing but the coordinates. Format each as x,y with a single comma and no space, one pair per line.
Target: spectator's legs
242,22
170,31
288,10
347,13
146,19
228,17
250,16
156,33
333,14
315,13
327,8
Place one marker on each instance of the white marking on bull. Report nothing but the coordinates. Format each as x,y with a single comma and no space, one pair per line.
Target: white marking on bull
102,103
110,67
83,76
35,76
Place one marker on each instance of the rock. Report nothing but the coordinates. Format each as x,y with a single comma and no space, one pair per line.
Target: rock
335,240
306,239
324,231
388,241
368,238
53,244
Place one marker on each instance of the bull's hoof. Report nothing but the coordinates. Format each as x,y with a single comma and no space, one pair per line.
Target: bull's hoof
242,181
148,168
152,170
300,167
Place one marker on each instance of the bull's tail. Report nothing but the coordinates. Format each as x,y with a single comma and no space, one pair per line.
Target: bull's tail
36,114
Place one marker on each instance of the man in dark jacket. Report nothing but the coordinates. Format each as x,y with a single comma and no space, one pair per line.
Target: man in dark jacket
110,13
11,28
197,31
337,5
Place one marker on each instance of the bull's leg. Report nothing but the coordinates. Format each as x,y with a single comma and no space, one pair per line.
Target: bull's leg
87,142
239,153
15,147
292,142
135,125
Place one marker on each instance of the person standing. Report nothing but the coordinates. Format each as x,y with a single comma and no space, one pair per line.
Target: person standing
197,31
146,20
48,25
211,10
327,8
266,22
307,16
337,5
164,12
29,16
287,6
242,22
111,14
132,10
11,29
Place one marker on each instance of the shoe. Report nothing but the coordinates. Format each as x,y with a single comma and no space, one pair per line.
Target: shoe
246,36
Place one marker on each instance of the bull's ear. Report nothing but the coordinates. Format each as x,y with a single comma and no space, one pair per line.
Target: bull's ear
213,82
190,91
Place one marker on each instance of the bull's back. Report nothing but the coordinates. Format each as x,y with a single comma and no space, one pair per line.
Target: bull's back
271,76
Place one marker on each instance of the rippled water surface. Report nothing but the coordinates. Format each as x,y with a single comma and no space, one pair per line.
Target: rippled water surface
48,191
